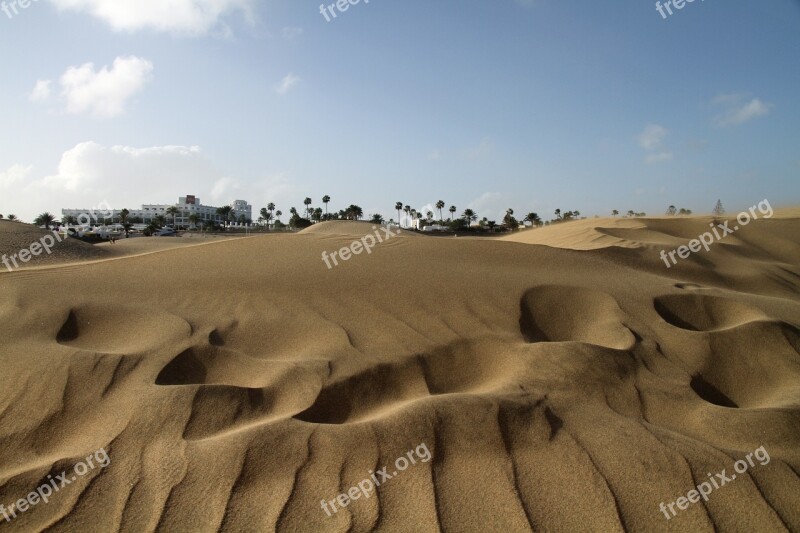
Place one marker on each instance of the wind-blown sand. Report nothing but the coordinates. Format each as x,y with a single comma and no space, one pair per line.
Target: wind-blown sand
568,381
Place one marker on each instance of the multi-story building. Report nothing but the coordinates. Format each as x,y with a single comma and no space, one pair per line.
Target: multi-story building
187,206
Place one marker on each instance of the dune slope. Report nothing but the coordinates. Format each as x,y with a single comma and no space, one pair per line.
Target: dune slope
236,386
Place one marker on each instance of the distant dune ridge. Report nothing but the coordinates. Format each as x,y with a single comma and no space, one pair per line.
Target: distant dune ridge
562,378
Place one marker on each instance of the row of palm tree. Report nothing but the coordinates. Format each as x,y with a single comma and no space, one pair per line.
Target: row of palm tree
311,214
12,218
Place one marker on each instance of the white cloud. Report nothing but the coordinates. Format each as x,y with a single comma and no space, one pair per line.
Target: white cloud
194,17
652,137
286,84
652,141
104,93
41,91
125,176
491,205
739,111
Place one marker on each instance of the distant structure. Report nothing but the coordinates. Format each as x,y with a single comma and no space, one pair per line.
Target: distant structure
187,206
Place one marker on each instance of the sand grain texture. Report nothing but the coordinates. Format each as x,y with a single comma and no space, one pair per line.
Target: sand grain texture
563,379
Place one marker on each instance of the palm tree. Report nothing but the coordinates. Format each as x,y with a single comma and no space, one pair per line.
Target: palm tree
672,211
440,206
534,219
123,215
278,215
307,203
377,219
614,213
399,207
172,210
12,218
325,200
469,216
558,214
225,213
69,220
452,211
193,218
45,219
317,214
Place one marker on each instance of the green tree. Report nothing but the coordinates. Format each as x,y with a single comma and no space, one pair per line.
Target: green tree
172,210
399,207
469,217
307,203
718,209
534,219
225,213
325,200
440,205
614,213
45,219
452,211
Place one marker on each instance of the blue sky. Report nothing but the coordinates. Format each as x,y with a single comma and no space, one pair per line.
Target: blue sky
534,105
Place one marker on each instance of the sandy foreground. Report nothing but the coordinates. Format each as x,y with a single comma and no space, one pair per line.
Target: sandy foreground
559,379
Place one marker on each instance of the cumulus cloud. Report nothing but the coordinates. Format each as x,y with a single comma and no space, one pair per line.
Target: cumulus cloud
104,93
286,84
194,17
123,176
652,140
41,91
739,109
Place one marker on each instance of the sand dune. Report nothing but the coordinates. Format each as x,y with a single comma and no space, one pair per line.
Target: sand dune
563,379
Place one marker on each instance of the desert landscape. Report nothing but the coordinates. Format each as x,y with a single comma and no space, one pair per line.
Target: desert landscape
362,266
561,379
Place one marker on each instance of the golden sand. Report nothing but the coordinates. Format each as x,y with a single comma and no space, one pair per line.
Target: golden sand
563,379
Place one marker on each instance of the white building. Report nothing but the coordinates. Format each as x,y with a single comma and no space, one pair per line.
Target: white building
187,206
